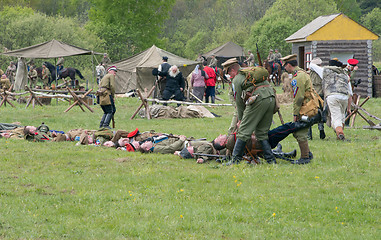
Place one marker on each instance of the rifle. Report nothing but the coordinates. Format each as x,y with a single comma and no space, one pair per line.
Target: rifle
208,155
113,122
259,56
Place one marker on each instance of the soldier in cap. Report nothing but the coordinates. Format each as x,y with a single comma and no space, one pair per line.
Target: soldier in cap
213,61
255,116
11,72
337,92
5,84
351,71
162,72
301,86
250,59
106,94
277,56
32,75
45,75
106,60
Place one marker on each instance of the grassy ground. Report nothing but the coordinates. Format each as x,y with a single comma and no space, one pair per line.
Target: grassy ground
59,190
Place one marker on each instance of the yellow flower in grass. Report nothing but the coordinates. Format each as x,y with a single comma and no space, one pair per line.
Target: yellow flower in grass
181,216
316,177
274,214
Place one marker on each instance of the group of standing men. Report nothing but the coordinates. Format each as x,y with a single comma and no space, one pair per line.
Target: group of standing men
255,106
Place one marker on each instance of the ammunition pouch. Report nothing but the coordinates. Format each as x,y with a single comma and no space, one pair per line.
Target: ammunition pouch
312,102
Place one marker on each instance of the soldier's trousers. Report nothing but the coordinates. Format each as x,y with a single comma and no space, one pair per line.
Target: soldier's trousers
257,118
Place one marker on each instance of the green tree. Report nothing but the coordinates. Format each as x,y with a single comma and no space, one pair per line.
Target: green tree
373,23
128,26
66,8
23,27
369,5
198,26
283,19
351,8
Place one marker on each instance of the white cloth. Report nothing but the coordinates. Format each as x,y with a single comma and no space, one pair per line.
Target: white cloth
196,69
337,105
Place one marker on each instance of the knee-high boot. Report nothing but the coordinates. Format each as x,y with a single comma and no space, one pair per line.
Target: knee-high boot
267,153
305,155
238,151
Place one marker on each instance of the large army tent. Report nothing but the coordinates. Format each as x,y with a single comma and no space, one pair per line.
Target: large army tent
45,50
136,72
226,51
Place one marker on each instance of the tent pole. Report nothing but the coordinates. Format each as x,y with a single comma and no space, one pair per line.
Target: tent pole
92,64
55,59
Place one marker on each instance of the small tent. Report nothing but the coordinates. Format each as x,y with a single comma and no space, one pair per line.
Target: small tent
136,72
49,49
226,51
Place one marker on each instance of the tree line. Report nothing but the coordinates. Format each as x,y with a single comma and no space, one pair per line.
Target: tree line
184,27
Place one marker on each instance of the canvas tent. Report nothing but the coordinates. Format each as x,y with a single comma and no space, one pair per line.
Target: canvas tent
226,51
136,72
50,49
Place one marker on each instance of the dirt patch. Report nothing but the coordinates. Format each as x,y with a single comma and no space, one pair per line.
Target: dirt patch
125,159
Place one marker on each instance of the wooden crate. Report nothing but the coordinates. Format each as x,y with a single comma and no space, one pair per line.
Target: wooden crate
377,86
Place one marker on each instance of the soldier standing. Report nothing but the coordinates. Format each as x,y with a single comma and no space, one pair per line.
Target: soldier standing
11,72
213,61
106,95
5,84
253,117
32,75
45,75
250,59
106,60
301,84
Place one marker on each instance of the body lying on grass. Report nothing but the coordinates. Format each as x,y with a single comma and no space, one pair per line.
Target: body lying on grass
152,142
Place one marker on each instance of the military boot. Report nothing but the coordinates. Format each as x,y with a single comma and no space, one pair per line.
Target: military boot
321,129
239,149
278,148
267,153
305,154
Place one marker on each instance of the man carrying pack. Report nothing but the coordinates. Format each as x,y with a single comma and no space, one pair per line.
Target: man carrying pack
303,103
106,94
254,115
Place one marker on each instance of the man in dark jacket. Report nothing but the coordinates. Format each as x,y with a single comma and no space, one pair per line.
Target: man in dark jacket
175,84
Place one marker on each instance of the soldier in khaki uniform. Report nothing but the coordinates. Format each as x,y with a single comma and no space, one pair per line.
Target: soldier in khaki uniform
5,84
32,75
255,117
301,83
106,93
45,75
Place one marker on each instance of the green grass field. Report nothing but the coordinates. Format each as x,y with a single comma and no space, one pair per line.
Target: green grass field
63,191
